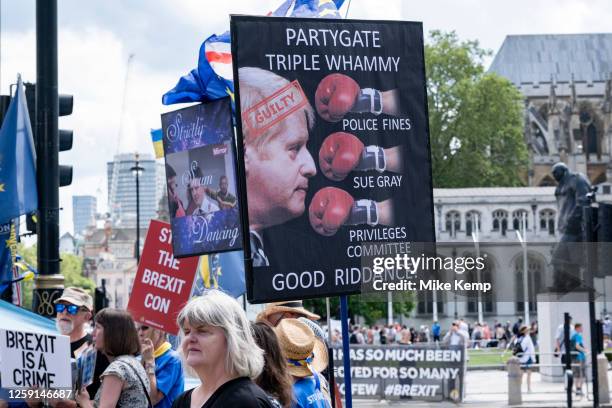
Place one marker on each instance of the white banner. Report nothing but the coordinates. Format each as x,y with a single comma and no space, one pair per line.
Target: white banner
35,360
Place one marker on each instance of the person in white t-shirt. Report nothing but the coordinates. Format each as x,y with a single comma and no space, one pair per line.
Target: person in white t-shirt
527,354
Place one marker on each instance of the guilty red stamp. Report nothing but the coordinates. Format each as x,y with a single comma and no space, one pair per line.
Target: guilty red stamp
271,110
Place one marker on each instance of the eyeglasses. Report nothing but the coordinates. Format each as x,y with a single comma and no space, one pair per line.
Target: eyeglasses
71,309
143,328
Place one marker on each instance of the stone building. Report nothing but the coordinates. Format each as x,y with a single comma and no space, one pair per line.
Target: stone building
567,84
108,254
566,81
496,214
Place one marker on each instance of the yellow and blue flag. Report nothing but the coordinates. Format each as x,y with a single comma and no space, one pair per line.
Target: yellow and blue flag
158,146
223,271
18,194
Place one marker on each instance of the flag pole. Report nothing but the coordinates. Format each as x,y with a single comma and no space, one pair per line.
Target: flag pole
348,397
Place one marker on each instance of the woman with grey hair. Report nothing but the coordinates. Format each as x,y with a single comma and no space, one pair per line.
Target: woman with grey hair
218,344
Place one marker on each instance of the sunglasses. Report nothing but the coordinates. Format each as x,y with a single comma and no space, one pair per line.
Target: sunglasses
143,328
71,309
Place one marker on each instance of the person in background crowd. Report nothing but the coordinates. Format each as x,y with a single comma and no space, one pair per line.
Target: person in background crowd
460,338
398,332
74,310
435,331
413,335
455,336
306,358
275,312
476,336
527,354
336,338
383,335
218,345
578,358
517,326
486,334
533,332
376,334
163,366
370,336
356,336
607,330
559,340
124,382
463,326
424,334
274,379
320,338
391,333
405,337
507,330
500,336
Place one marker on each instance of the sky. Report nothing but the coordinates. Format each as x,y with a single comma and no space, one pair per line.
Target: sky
96,39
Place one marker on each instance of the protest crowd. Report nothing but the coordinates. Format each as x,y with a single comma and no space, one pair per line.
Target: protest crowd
277,361
280,360
477,335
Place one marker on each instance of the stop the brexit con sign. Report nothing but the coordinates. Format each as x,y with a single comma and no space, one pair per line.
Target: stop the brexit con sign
163,283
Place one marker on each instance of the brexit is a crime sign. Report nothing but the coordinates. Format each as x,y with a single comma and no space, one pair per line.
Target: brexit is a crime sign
34,360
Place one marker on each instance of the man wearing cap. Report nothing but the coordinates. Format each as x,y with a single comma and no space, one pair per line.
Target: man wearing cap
163,366
306,358
275,312
74,310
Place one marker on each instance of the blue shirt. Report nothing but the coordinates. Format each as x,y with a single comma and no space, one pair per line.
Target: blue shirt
308,395
169,376
577,339
435,329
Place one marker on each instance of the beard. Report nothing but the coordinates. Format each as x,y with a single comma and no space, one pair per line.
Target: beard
63,327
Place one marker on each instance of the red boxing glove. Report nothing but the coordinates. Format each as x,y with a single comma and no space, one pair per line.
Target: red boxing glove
340,153
343,152
335,96
329,209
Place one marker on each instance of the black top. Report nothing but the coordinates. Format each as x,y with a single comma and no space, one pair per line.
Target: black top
240,393
101,364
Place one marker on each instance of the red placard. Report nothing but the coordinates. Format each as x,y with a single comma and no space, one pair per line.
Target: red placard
163,283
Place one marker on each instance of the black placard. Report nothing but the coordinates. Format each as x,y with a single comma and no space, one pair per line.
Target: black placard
333,149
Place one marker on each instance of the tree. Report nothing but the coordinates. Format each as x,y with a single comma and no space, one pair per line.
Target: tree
370,307
71,267
475,118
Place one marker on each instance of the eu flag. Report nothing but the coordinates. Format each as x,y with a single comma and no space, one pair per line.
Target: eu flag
18,194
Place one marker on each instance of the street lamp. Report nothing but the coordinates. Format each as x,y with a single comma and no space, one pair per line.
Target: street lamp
476,239
137,171
455,291
523,240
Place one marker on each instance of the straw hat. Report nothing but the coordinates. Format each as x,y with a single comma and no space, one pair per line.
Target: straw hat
303,352
292,306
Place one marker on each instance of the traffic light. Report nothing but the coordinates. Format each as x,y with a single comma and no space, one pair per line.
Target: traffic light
65,139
